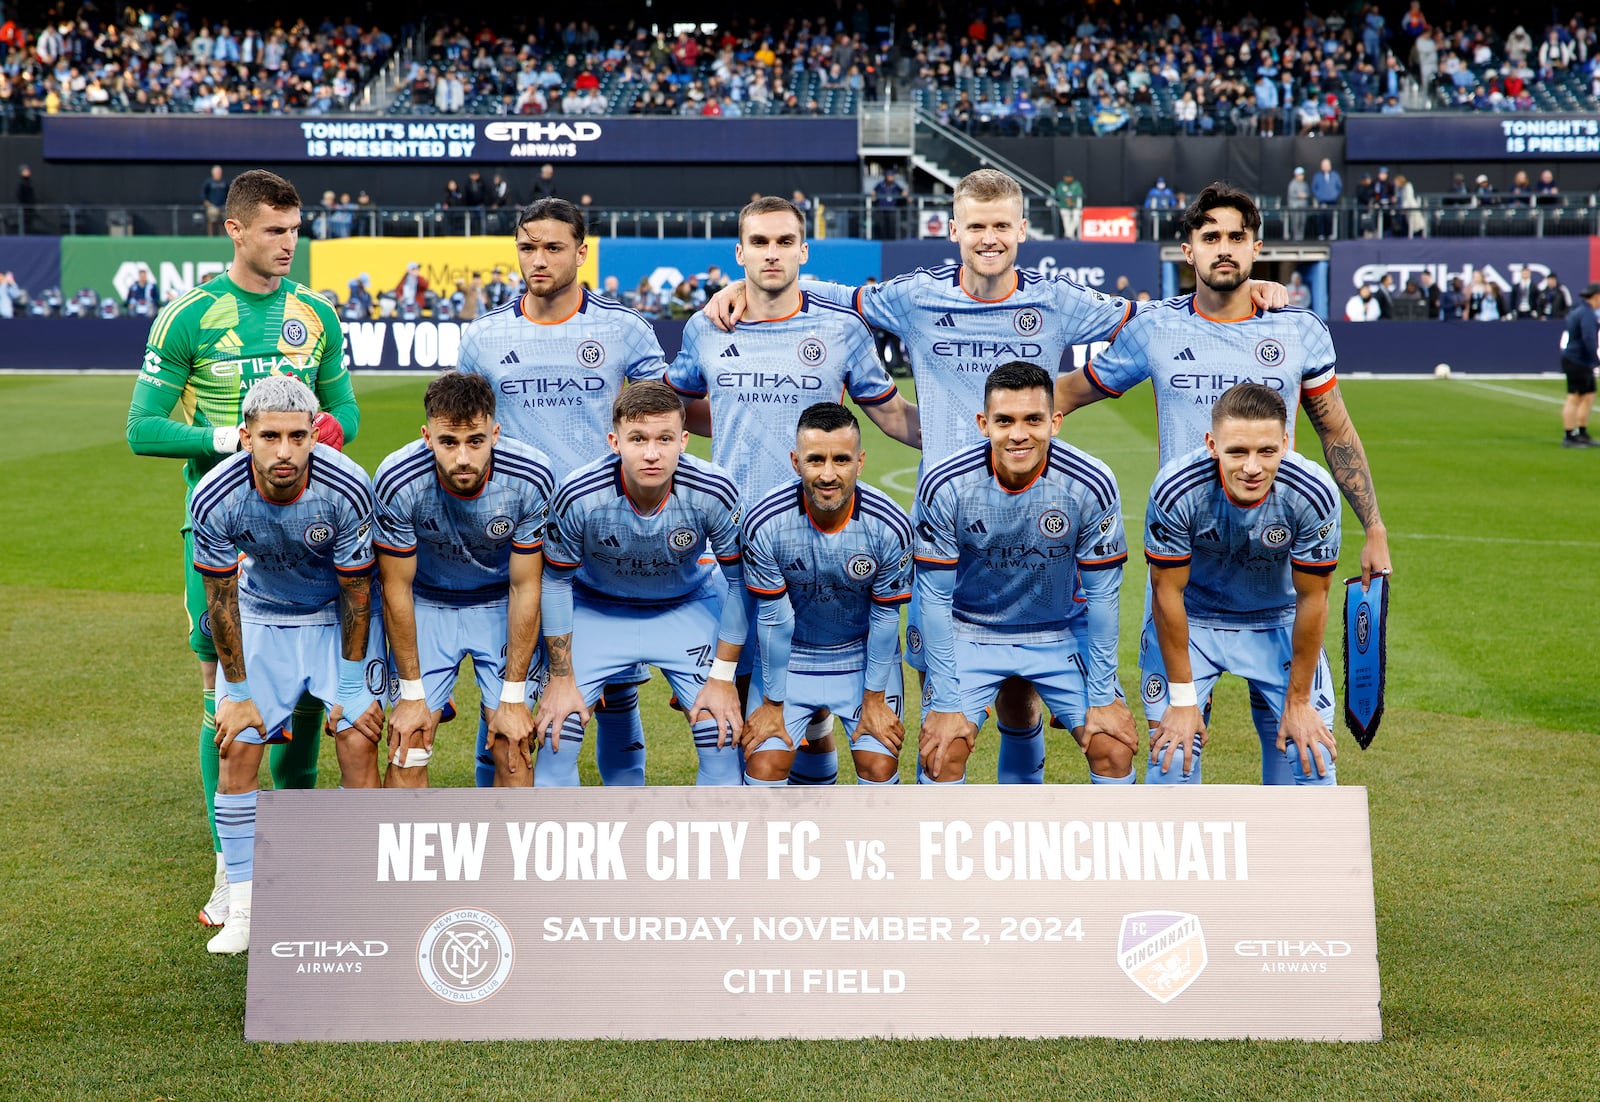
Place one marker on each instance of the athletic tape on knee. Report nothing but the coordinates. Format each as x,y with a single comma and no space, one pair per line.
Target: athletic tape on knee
414,757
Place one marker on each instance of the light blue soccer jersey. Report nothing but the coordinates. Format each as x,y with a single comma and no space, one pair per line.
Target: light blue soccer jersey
955,340
836,582
1191,360
615,554
293,553
1240,558
1016,555
463,545
764,374
554,383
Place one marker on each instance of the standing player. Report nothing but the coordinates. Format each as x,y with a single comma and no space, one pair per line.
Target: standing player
1194,347
1019,561
958,323
295,617
1242,536
460,550
789,350
205,351
625,585
1578,361
829,559
557,357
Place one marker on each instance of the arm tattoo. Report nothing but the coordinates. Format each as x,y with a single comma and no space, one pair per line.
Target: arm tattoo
1347,460
560,648
355,615
222,602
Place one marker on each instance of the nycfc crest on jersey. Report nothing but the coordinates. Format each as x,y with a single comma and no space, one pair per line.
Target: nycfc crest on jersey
554,384
1191,360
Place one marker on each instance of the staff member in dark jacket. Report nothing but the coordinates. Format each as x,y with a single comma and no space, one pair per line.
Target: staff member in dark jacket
1579,358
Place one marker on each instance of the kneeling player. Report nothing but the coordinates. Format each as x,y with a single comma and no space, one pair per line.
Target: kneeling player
830,560
1019,560
460,550
1242,537
296,615
624,583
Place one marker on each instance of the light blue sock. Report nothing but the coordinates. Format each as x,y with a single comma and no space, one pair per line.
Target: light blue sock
923,778
815,768
895,779
619,737
559,769
1154,774
1095,778
483,773
753,783
718,766
1021,754
236,826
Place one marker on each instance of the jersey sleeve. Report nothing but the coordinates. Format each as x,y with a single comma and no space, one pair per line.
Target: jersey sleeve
762,576
468,355
528,537
168,361
1123,364
886,306
1095,315
1167,535
1317,373
1315,549
1102,541
840,294
892,585
646,361
214,551
393,530
685,374
724,530
352,549
934,522
336,393
866,379
563,535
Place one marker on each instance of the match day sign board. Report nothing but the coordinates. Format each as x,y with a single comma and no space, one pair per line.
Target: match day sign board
1213,912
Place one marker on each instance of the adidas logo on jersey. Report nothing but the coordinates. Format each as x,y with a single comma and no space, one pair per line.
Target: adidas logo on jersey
978,527
798,566
510,357
1186,354
731,350
429,525
946,321
610,541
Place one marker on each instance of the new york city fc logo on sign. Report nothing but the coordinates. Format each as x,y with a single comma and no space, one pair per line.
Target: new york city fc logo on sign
1269,353
1276,536
1027,321
1053,523
812,352
591,354
861,567
295,332
318,535
465,955
498,528
683,539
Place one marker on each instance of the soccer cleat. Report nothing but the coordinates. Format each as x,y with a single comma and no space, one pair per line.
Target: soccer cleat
1573,442
215,912
235,936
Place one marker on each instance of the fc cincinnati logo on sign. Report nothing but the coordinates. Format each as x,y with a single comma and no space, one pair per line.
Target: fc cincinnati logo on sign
1154,688
498,528
812,352
1276,536
294,333
682,539
1027,321
861,566
1053,523
591,354
1269,353
318,534
1162,951
465,955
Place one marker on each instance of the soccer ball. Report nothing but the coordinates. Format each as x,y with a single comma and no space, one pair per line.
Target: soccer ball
1441,371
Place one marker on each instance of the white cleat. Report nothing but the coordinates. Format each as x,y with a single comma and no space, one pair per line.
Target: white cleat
235,936
215,912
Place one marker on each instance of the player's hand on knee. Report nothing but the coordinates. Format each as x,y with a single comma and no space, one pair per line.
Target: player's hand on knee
410,723
766,722
560,701
1114,721
233,718
719,700
513,723
1179,729
726,307
937,742
369,724
879,721
1303,727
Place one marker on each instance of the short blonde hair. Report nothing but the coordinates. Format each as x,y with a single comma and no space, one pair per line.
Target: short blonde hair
987,185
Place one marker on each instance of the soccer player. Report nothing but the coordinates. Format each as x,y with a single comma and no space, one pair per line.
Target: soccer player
1242,536
958,323
625,585
205,352
557,356
460,551
294,617
829,559
789,350
1019,560
1194,347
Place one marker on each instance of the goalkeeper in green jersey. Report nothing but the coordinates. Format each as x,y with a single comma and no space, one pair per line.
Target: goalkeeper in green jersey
205,351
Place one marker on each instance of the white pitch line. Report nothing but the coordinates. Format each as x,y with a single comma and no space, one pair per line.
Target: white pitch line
894,480
1515,393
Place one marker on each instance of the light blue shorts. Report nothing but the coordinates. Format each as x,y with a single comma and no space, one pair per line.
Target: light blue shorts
285,661
1055,669
609,641
448,633
840,691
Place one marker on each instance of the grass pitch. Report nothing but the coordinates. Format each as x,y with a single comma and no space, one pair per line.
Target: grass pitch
1484,788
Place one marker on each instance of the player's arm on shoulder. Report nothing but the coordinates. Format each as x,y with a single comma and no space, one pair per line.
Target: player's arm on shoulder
1347,462
1267,295
898,419
1074,391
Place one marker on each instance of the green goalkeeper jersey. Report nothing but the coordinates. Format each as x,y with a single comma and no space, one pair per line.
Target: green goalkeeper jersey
209,347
